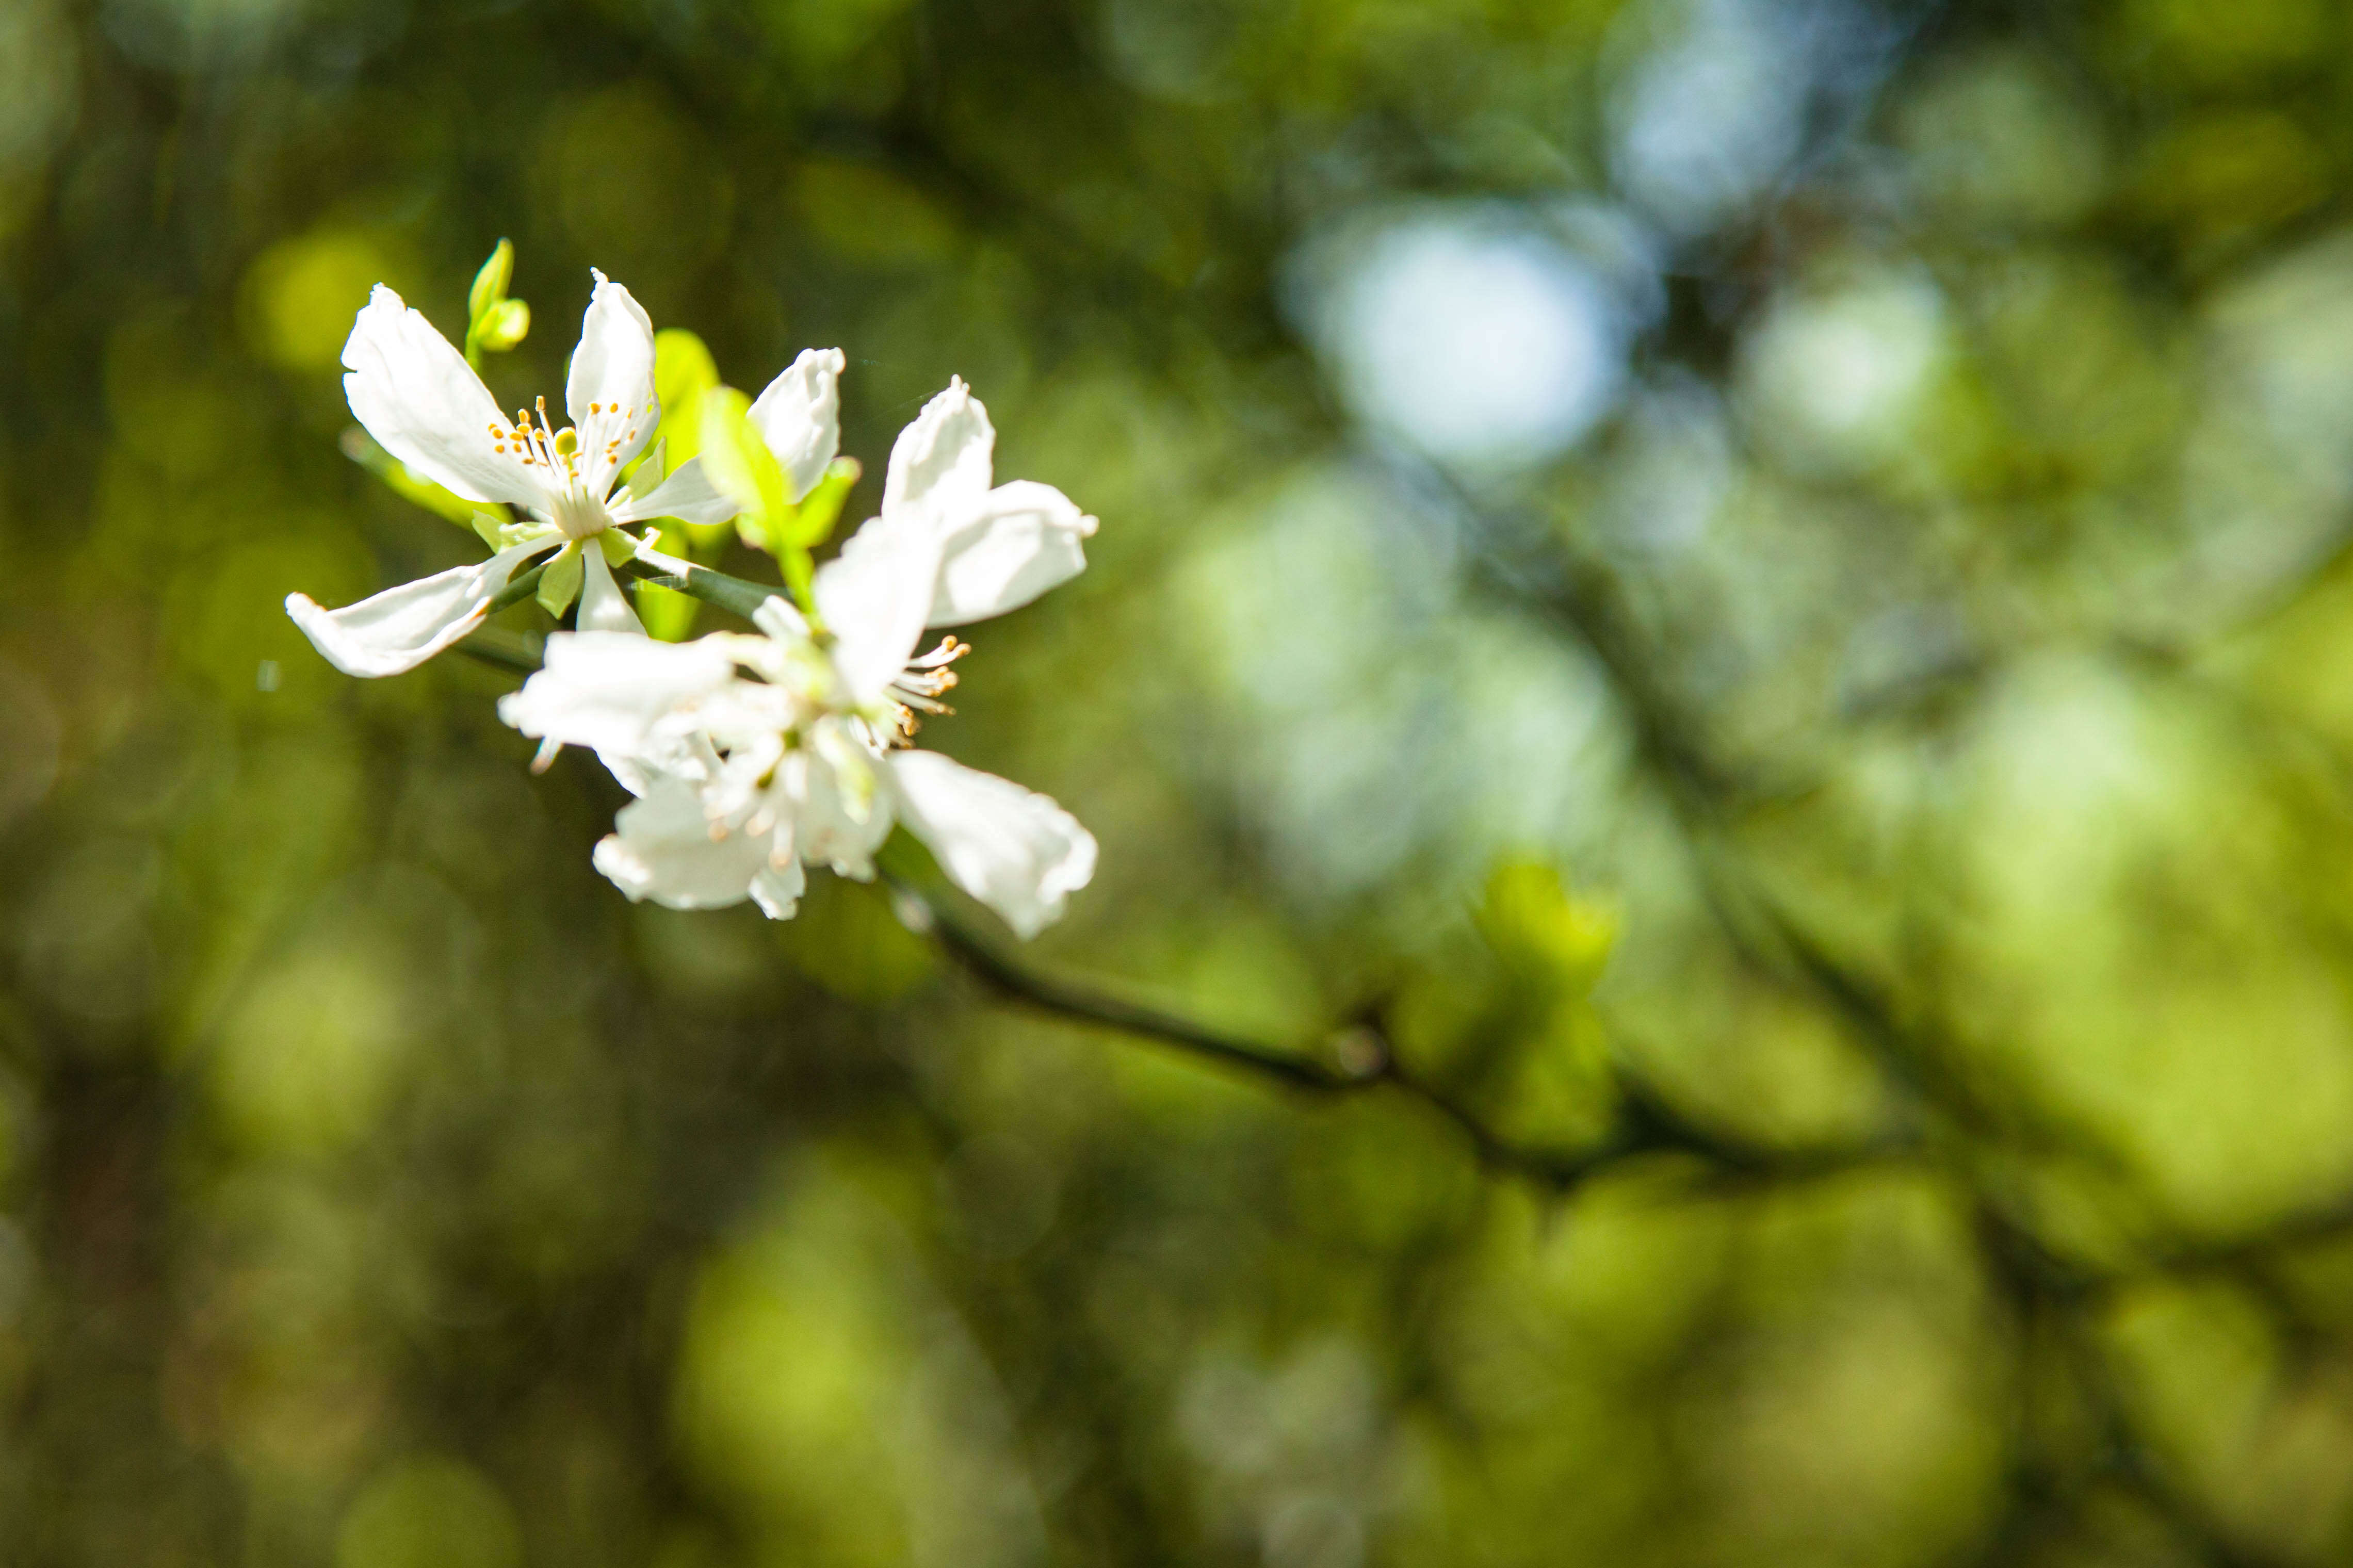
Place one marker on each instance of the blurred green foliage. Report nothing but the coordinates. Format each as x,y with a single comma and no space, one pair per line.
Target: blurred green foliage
1737,582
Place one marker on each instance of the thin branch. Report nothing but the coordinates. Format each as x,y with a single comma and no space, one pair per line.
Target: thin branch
502,650
521,587
739,594
1069,1000
1362,1058
2331,1219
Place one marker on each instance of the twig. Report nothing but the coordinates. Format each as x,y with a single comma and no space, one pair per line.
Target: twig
1008,980
502,650
1362,1058
739,594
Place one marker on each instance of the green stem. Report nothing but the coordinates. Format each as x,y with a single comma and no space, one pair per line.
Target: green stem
738,595
800,576
502,649
517,590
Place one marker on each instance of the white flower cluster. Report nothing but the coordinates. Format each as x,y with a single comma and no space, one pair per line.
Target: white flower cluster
752,754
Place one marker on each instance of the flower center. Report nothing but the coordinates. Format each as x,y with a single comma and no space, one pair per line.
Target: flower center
577,465
580,513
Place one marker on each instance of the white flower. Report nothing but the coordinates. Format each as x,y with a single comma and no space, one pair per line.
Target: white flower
423,404
999,547
756,755
667,851
799,416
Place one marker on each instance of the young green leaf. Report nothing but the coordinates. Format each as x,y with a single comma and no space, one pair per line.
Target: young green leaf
490,283
503,326
560,583
683,371
821,507
494,323
743,469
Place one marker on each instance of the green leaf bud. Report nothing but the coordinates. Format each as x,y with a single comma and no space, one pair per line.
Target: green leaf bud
490,290
506,324
494,323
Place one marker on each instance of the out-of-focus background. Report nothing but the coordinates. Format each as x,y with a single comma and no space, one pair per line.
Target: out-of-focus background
1756,587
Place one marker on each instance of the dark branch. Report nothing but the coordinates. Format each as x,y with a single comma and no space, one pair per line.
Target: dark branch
1362,1058
1065,999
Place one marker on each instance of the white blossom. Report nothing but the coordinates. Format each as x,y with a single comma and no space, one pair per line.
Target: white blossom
799,416
1000,546
756,755
418,396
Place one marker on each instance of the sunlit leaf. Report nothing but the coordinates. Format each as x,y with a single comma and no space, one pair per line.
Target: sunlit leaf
560,583
743,469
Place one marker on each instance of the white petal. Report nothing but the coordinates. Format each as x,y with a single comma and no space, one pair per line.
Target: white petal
1012,849
1025,540
424,404
829,825
874,597
778,888
604,607
686,495
401,627
662,849
611,392
799,416
684,754
660,562
606,690
780,618
940,464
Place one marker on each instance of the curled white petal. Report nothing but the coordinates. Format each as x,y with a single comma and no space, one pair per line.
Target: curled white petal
401,627
799,416
687,494
1012,849
942,463
875,597
424,404
780,618
608,690
778,888
610,392
664,849
1025,538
